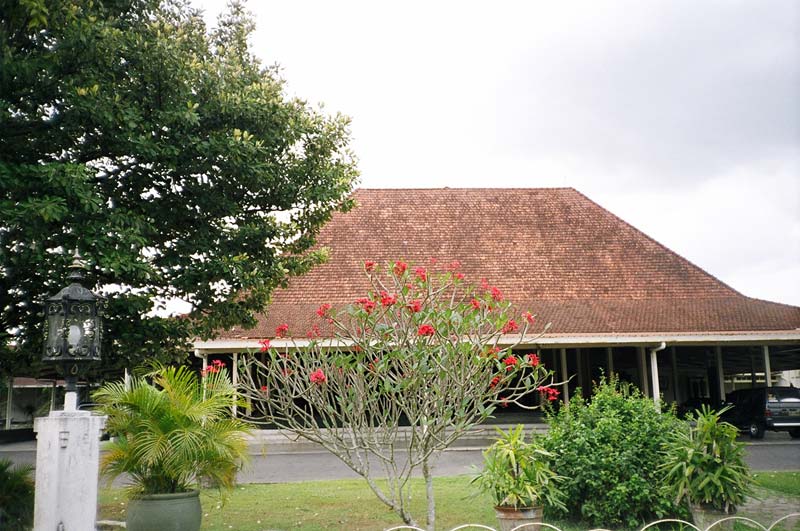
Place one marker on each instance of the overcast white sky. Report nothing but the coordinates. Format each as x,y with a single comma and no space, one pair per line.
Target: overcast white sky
682,117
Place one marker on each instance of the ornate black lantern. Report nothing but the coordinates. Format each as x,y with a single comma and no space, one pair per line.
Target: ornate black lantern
74,326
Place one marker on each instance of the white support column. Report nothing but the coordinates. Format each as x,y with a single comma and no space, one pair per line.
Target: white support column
642,366
676,390
720,373
610,361
564,376
235,378
654,372
767,368
67,461
9,401
53,395
126,378
579,365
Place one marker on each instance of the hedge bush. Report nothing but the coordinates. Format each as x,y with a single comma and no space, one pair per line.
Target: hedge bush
609,449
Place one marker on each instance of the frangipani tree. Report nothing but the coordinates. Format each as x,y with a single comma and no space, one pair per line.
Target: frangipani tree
391,380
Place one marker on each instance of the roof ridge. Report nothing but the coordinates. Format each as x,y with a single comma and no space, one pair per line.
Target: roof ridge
661,245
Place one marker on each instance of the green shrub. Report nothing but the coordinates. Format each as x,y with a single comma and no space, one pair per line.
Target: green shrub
705,465
609,451
16,496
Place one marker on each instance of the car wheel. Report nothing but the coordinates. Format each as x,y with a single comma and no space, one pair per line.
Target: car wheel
756,430
794,433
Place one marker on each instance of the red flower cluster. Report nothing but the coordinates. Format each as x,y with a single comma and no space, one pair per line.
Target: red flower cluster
459,276
421,274
282,330
264,345
492,352
215,366
415,306
314,332
510,327
529,317
511,362
369,266
366,303
494,382
400,267
388,300
318,377
550,393
485,284
323,309
426,330
533,359
475,304
454,265
263,388
496,293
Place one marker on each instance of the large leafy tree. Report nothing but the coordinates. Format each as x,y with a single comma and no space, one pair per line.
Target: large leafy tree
168,155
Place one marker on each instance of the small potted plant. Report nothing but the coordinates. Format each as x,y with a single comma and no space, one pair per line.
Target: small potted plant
704,465
518,477
172,431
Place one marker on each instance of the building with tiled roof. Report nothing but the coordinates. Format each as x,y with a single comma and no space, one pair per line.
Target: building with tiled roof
618,300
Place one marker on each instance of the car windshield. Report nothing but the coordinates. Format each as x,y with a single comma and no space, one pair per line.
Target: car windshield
784,394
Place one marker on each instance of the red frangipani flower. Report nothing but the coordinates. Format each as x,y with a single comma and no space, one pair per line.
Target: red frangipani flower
484,284
494,382
369,266
510,327
426,330
551,393
533,359
264,345
511,362
318,377
496,293
421,274
528,316
475,304
415,306
282,330
400,267
366,303
323,309
387,299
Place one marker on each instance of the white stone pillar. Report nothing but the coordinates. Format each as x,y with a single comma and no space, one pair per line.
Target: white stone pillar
67,464
9,401
235,379
767,368
654,372
564,376
720,373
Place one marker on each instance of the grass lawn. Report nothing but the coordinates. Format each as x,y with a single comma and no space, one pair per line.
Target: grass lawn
350,505
783,482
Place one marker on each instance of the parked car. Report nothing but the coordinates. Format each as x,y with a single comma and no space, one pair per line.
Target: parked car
765,408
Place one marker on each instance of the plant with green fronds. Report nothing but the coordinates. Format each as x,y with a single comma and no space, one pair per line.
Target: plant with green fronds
705,464
172,430
517,473
16,496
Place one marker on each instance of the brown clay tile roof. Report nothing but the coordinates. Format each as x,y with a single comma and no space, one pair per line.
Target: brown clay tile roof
550,250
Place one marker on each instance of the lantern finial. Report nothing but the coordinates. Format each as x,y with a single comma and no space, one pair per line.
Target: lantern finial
77,267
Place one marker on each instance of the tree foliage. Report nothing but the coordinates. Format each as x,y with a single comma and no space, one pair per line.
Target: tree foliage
410,368
168,155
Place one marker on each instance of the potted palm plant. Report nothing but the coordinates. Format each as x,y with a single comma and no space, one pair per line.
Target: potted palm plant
518,477
704,466
172,430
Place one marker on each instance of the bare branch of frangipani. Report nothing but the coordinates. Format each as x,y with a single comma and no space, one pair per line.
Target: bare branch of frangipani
540,525
423,350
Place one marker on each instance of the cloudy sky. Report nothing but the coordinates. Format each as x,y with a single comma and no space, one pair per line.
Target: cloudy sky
681,117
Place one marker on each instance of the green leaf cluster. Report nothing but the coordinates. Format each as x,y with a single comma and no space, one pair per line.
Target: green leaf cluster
609,449
517,473
16,496
174,431
704,463
168,155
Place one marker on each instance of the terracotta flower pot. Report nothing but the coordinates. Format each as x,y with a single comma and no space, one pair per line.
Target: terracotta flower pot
510,518
165,512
